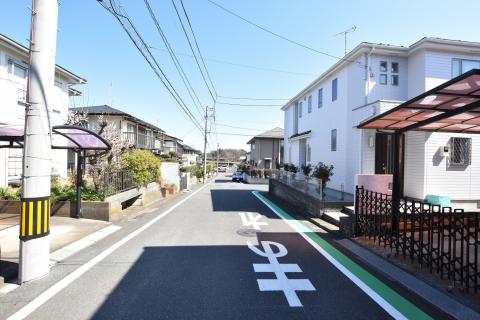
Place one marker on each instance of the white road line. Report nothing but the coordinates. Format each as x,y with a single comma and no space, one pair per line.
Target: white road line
364,287
62,284
72,248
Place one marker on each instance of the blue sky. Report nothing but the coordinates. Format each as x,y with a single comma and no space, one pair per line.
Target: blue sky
92,44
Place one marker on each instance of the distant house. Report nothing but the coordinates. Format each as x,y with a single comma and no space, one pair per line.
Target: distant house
14,70
189,155
266,149
136,132
172,144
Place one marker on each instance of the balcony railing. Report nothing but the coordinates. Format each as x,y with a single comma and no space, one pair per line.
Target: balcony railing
141,141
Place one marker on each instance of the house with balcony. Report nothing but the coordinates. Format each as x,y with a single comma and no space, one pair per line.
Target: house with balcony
321,121
172,144
14,70
266,149
135,132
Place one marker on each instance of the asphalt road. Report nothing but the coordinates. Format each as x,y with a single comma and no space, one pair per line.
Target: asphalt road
195,262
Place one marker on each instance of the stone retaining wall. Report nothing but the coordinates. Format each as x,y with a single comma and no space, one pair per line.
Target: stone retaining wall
108,210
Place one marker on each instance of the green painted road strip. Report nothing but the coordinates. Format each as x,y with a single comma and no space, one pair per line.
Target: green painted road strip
393,303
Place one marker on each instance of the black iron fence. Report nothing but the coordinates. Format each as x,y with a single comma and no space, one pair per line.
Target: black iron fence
443,239
118,181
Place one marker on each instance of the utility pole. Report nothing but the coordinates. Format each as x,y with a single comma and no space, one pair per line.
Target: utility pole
352,29
205,145
218,153
35,202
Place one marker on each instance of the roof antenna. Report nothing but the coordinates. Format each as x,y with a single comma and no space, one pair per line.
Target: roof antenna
352,29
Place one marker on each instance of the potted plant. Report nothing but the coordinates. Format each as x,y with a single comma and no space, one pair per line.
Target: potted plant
324,172
306,170
293,169
171,189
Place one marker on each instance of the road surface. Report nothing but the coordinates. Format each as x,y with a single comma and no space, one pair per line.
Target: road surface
218,252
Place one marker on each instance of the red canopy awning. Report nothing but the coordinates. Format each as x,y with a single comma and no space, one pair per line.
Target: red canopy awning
451,107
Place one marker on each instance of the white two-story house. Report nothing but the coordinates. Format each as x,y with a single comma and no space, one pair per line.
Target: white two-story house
321,120
13,88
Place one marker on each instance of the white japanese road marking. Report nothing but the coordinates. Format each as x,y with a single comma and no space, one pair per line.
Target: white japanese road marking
250,220
281,283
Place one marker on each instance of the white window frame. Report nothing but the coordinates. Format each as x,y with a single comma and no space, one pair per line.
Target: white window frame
380,66
334,89
333,140
460,61
320,98
393,82
383,76
309,103
13,63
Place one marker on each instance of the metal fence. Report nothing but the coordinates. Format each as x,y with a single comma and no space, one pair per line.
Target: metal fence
118,181
444,240
309,185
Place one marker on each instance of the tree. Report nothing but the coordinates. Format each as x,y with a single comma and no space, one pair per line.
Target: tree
306,169
324,172
100,162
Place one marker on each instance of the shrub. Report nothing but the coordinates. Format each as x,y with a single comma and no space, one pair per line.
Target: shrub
286,167
197,171
324,172
69,193
292,168
306,169
9,193
144,165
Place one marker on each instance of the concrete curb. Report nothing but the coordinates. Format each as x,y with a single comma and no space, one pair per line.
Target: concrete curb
430,294
63,253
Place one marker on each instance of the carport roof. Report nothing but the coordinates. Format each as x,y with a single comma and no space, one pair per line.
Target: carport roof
451,107
63,137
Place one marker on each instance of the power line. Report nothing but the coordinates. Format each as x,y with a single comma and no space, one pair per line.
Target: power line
250,105
234,134
127,25
198,48
177,64
276,34
244,65
242,128
193,51
255,99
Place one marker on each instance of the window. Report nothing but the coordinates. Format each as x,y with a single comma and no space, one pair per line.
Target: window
309,153
460,151
309,104
17,69
333,141
394,80
15,162
320,97
383,73
300,105
383,78
460,66
383,66
334,89
394,67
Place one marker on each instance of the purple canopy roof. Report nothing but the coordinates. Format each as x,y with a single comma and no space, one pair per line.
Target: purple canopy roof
63,137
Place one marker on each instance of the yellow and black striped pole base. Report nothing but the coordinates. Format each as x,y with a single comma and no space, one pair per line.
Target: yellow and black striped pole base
35,219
